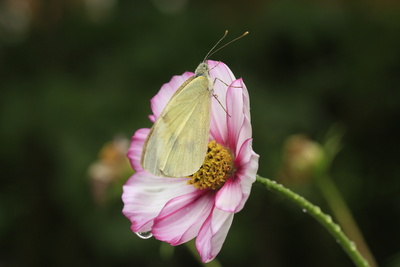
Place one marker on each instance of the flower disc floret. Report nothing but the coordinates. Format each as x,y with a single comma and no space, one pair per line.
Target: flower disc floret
217,167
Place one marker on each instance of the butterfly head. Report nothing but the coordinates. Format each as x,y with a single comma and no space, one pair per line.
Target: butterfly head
202,70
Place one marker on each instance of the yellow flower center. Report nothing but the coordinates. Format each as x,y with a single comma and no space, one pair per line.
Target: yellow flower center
217,167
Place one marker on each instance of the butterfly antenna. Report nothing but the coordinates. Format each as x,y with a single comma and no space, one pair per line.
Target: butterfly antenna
211,52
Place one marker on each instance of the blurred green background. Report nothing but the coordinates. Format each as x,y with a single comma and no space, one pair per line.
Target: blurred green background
74,74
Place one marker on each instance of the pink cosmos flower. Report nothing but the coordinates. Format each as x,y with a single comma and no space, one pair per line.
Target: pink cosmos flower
176,210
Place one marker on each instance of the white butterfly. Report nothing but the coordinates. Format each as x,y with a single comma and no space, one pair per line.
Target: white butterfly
177,143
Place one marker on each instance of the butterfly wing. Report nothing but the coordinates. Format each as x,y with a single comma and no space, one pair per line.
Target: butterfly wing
177,143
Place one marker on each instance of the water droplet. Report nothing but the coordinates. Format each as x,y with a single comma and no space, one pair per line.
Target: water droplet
317,210
328,218
353,245
144,235
304,210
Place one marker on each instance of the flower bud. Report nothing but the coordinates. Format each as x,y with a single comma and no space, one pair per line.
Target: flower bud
301,156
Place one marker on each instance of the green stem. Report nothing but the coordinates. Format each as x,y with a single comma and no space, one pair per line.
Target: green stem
348,246
343,215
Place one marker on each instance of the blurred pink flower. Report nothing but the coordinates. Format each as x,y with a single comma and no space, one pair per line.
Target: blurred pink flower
176,210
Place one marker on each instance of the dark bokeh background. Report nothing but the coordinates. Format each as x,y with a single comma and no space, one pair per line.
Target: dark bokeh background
73,74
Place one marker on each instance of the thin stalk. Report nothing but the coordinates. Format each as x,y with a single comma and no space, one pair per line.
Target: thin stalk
348,246
343,215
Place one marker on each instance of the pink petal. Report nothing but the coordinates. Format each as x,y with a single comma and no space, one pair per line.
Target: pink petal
246,99
218,127
235,109
218,115
135,150
144,195
246,131
235,192
160,100
244,134
247,166
244,154
221,71
213,234
229,196
182,217
239,126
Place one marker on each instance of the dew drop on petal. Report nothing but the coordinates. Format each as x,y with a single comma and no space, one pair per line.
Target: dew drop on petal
144,235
